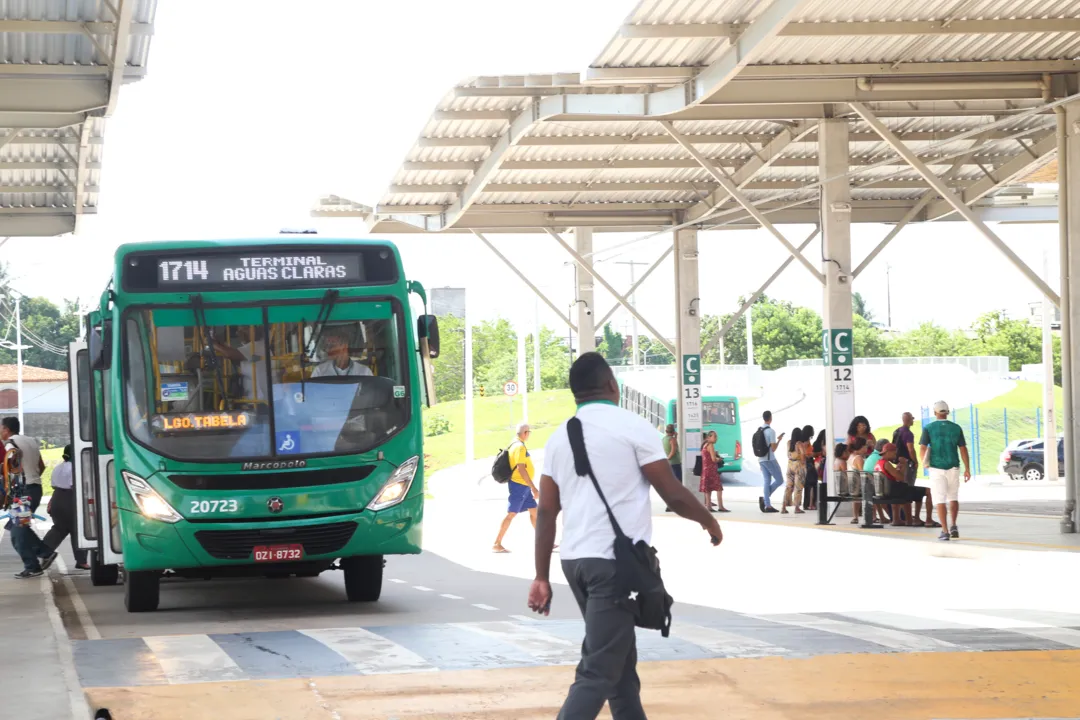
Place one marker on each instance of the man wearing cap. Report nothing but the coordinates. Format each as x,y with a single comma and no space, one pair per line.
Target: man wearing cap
943,445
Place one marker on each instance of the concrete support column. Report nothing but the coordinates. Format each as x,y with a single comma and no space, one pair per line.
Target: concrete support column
1069,206
688,349
837,343
584,292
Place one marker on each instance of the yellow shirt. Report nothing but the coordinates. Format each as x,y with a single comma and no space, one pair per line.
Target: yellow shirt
519,455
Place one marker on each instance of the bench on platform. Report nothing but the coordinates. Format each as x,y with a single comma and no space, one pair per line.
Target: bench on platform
855,486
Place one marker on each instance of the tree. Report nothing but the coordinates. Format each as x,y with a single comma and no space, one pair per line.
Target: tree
1018,340
782,332
858,307
931,340
448,370
554,360
867,339
613,346
40,319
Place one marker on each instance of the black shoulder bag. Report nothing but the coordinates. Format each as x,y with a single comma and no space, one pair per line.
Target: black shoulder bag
637,568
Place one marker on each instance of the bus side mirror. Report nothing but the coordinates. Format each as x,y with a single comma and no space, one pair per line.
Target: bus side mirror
427,326
100,347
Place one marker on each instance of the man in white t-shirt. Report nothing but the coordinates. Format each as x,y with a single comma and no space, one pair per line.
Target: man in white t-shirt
627,458
35,555
250,356
63,510
338,363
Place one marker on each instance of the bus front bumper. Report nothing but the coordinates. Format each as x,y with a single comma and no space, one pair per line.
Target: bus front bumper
154,545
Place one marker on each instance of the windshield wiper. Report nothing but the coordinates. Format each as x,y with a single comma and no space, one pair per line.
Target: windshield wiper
323,317
208,350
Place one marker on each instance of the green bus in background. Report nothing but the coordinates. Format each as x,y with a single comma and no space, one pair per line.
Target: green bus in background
654,399
250,407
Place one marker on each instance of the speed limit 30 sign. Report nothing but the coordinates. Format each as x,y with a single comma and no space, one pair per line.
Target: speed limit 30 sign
511,388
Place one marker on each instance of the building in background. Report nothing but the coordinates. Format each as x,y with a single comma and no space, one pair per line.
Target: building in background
1035,312
45,402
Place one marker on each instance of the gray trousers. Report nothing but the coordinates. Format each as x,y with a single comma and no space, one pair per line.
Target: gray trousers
608,667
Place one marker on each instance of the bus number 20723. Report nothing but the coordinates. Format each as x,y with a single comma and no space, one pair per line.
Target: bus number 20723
209,506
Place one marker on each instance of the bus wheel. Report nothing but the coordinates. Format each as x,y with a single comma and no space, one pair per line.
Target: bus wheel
363,577
141,591
101,574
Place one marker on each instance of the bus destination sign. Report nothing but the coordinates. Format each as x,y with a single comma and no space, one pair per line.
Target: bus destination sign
194,422
263,269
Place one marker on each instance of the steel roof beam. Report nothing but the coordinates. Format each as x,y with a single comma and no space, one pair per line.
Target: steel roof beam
37,165
524,279
1009,172
59,95
703,139
686,186
70,27
861,29
585,265
757,293
956,202
53,139
869,90
732,189
121,36
43,188
10,69
669,163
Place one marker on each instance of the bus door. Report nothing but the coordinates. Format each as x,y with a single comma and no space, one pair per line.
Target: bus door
84,461
108,513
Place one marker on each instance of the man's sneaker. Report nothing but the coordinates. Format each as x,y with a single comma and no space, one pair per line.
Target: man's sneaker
944,536
27,574
48,560
954,533
761,503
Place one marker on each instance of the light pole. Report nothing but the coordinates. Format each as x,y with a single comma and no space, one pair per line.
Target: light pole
888,294
633,304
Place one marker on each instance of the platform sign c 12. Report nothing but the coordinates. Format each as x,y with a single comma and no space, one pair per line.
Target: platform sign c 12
836,346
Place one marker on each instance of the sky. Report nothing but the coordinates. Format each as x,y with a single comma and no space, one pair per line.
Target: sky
252,110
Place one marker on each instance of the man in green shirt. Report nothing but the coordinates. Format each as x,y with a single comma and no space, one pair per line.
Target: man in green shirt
942,447
673,453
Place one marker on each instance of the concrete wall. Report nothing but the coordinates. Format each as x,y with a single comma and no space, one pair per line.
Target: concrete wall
53,428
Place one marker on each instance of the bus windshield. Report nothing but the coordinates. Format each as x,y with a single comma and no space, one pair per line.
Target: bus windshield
213,384
719,412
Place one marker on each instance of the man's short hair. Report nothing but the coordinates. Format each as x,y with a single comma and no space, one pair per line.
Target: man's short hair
12,424
589,374
670,428
767,416
522,427
881,445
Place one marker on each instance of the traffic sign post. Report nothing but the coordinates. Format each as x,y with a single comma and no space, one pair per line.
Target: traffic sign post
691,402
510,389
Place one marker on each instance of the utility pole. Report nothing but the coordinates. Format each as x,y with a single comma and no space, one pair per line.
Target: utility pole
19,346
633,304
1050,463
749,336
888,294
536,345
470,433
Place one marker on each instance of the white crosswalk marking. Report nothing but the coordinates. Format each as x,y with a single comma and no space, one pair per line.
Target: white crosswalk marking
192,659
482,606
448,596
892,639
371,654
543,646
421,588
725,643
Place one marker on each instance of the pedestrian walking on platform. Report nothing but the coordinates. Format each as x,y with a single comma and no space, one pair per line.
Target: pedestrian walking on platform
943,446
62,510
626,460
764,444
22,458
796,472
523,491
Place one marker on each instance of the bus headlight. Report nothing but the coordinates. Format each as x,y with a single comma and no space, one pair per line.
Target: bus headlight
150,503
397,487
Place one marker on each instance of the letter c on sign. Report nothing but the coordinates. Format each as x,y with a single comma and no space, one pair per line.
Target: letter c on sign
691,365
842,342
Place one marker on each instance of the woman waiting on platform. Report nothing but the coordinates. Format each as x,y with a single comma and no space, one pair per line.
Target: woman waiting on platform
796,471
710,474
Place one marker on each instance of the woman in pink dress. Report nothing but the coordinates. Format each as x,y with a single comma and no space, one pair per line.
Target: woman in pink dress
710,474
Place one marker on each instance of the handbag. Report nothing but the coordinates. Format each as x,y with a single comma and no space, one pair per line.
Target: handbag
637,567
697,466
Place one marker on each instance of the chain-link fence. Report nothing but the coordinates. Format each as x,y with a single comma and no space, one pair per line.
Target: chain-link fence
989,430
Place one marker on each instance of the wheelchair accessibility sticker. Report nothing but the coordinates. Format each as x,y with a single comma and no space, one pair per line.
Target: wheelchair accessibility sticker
288,442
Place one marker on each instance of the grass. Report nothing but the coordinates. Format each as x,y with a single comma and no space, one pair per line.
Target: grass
494,421
52,457
1018,405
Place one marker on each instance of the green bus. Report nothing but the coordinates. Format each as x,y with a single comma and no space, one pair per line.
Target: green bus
250,407
653,399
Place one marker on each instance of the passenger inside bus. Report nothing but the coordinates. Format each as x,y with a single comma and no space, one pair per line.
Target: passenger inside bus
246,348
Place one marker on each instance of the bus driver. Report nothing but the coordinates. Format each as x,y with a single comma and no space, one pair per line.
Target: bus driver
338,362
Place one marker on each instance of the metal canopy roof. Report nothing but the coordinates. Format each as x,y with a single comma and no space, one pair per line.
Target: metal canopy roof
746,82
62,63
